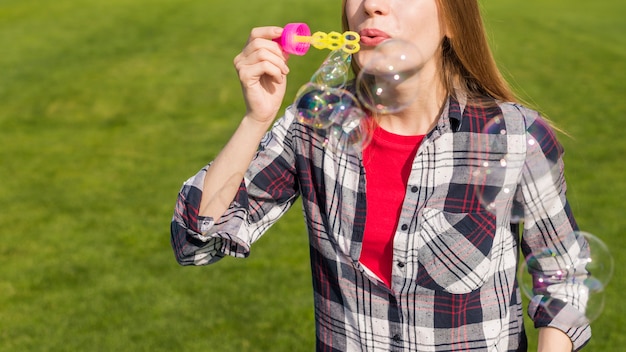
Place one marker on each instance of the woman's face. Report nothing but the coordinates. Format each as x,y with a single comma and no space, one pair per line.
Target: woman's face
376,21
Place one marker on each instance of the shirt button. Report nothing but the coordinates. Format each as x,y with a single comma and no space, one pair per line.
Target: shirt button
397,338
401,264
414,189
404,227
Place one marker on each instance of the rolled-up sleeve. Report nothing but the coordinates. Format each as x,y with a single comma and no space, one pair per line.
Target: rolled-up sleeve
199,240
554,253
267,191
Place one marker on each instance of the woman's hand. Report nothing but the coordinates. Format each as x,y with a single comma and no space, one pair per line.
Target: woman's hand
262,69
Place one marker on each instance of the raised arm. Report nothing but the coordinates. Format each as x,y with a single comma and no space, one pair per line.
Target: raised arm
262,69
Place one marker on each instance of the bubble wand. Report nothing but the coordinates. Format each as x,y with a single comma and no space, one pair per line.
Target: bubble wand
297,39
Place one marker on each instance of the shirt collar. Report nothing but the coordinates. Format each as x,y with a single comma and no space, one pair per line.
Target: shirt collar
451,115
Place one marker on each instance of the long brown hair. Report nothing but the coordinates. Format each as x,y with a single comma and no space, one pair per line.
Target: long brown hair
467,61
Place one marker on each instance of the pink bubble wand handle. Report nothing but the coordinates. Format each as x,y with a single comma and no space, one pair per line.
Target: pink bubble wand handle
291,39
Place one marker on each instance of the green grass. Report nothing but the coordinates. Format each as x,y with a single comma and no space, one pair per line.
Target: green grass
106,107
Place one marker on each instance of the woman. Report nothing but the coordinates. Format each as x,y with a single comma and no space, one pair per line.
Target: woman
406,259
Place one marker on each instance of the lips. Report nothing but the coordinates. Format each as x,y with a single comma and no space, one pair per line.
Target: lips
373,37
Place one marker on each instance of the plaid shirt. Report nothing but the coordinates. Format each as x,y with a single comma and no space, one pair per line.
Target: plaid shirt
454,284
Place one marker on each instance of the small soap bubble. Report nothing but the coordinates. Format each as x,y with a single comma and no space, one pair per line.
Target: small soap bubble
574,269
351,130
315,105
334,71
385,84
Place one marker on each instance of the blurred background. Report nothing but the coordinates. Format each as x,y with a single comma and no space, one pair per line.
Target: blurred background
106,107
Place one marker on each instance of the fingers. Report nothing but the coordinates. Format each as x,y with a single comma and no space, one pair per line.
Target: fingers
259,69
265,33
260,62
261,54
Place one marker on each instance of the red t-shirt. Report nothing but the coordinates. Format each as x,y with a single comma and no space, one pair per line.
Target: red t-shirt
387,161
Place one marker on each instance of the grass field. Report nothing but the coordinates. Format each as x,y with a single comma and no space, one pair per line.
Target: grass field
106,107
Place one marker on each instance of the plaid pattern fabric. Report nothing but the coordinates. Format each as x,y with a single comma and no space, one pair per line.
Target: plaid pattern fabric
453,282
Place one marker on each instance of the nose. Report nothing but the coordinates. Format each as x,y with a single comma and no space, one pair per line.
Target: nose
376,7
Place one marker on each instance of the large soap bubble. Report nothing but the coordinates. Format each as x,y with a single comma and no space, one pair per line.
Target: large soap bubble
386,83
577,267
511,163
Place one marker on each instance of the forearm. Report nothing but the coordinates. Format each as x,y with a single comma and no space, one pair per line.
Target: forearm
553,340
223,178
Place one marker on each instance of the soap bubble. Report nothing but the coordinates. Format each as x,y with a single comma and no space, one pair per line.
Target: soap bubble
573,269
316,104
350,130
334,112
334,71
385,84
599,261
495,184
511,165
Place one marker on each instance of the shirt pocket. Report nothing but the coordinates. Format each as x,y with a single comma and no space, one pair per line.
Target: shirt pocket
455,256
